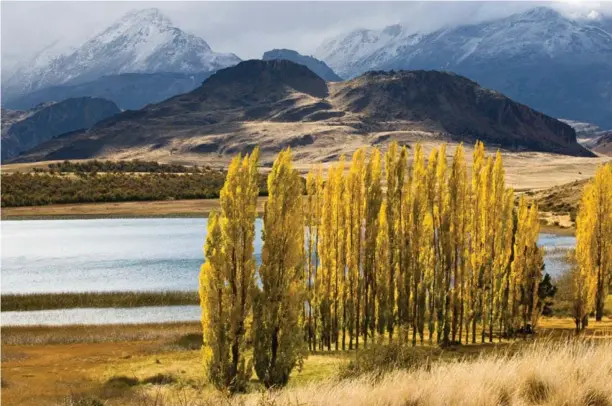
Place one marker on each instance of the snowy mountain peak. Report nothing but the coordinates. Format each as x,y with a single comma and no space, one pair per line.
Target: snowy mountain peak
142,41
538,14
148,15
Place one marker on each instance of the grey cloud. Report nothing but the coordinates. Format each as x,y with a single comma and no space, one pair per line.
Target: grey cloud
244,28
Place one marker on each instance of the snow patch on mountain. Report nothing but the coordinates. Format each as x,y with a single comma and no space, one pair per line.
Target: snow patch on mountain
142,41
538,32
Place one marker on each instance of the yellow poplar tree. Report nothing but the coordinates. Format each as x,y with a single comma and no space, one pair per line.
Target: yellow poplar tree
477,248
331,251
443,248
458,212
594,237
500,206
432,275
278,342
214,298
312,213
395,172
232,267
406,256
339,250
355,191
373,200
383,272
526,268
419,241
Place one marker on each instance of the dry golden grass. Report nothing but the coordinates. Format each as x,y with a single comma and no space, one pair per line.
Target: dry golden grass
577,372
88,334
166,208
47,365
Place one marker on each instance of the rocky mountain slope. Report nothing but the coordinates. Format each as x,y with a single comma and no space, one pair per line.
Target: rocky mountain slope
278,103
130,91
143,41
603,144
22,130
540,58
315,65
592,137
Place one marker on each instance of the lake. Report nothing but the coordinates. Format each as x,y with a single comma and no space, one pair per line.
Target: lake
103,255
46,256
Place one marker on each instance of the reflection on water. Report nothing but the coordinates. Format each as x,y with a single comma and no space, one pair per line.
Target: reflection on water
149,314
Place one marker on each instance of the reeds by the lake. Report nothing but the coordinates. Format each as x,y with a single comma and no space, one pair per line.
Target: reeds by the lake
49,301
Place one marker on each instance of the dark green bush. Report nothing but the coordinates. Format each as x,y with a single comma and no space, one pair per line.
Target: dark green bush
37,189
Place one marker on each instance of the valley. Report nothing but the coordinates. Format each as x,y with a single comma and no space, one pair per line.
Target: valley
254,205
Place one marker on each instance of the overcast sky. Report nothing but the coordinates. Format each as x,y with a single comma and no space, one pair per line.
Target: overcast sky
244,28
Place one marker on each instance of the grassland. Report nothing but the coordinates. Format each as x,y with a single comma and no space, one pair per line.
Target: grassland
160,364
47,301
169,208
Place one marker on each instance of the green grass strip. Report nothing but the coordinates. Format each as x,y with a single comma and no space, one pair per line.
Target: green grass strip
49,301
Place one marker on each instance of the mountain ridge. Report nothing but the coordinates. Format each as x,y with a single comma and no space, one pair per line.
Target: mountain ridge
279,103
540,58
315,65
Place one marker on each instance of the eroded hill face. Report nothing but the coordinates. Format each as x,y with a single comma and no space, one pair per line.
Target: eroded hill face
22,130
278,103
603,144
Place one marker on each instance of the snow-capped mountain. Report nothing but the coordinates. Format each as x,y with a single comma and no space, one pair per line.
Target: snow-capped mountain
351,55
538,32
553,63
143,41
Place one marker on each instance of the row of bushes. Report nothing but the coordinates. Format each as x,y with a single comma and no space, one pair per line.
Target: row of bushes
135,165
36,189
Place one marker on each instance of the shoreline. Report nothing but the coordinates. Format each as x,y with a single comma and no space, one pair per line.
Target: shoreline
188,208
156,209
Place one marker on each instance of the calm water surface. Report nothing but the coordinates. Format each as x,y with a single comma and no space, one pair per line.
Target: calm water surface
148,314
125,255
103,255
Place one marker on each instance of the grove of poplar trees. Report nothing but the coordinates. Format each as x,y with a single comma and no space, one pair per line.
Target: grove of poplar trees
593,254
378,250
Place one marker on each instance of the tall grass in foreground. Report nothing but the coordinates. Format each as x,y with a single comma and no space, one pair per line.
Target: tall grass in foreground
575,372
570,373
49,301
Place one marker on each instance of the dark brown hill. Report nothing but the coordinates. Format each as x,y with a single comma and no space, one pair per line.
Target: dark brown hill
603,144
278,103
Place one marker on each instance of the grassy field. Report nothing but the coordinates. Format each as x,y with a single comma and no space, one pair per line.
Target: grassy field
160,364
47,301
167,208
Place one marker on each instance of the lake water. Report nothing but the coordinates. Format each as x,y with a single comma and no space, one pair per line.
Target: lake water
125,255
103,255
148,314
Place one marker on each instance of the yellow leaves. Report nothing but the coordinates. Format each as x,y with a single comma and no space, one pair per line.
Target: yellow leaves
594,240
227,277
277,336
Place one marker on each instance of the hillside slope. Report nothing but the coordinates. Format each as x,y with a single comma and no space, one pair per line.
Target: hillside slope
278,103
554,64
128,91
22,130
